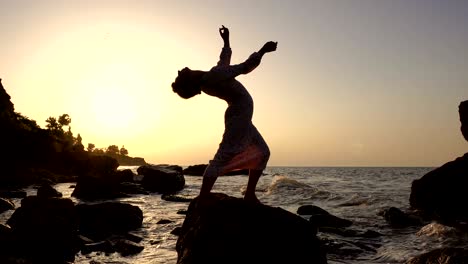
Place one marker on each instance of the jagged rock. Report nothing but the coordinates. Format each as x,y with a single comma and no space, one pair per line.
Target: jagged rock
441,194
176,231
176,198
397,218
44,230
321,218
463,112
6,205
96,188
126,247
99,221
47,191
162,178
219,228
447,255
124,175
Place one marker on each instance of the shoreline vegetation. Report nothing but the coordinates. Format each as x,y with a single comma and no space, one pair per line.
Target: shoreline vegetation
47,228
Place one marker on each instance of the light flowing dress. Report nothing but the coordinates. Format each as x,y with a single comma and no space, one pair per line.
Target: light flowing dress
242,146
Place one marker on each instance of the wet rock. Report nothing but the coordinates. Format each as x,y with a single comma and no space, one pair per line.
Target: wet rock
176,198
397,218
126,247
176,231
310,210
195,170
447,255
441,194
220,227
101,246
47,191
6,205
162,178
44,230
321,218
99,221
124,175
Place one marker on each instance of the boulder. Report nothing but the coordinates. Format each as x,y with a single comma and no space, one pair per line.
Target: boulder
446,255
463,112
397,218
321,218
96,188
44,230
162,178
6,205
99,221
222,229
47,191
441,194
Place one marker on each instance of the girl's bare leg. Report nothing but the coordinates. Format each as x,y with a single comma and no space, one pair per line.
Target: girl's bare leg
249,195
209,178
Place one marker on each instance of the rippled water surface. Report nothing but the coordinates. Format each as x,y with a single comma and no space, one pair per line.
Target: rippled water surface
357,194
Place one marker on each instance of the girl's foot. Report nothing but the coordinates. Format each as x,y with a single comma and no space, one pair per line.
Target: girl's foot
252,199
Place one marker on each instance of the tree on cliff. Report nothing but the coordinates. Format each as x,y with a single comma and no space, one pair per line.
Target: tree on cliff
123,151
91,147
112,149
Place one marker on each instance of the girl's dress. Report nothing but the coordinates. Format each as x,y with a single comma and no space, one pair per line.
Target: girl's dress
242,146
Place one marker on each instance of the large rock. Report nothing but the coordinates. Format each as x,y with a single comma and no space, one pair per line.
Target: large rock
100,179
99,221
463,112
321,218
162,178
223,229
44,230
6,205
441,194
398,219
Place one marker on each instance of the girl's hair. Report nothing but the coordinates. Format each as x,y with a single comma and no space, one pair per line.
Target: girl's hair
184,86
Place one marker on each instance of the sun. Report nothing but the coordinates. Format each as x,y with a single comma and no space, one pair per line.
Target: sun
114,108
113,101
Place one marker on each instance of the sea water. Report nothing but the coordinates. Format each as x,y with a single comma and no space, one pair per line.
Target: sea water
356,194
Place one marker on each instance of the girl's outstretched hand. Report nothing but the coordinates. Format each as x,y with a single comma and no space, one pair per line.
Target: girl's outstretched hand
224,32
269,47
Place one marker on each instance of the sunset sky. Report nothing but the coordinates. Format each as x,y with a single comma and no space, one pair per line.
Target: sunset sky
353,83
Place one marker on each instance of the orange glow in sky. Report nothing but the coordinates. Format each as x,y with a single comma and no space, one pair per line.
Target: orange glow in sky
367,83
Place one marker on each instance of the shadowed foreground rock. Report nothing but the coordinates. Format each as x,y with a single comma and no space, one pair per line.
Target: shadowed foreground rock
441,194
224,229
463,112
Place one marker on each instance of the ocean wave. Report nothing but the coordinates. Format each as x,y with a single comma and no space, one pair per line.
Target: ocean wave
286,184
437,230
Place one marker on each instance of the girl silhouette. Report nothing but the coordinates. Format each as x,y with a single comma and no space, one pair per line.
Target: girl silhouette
242,146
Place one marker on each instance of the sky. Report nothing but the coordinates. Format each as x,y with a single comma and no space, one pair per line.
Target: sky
352,83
